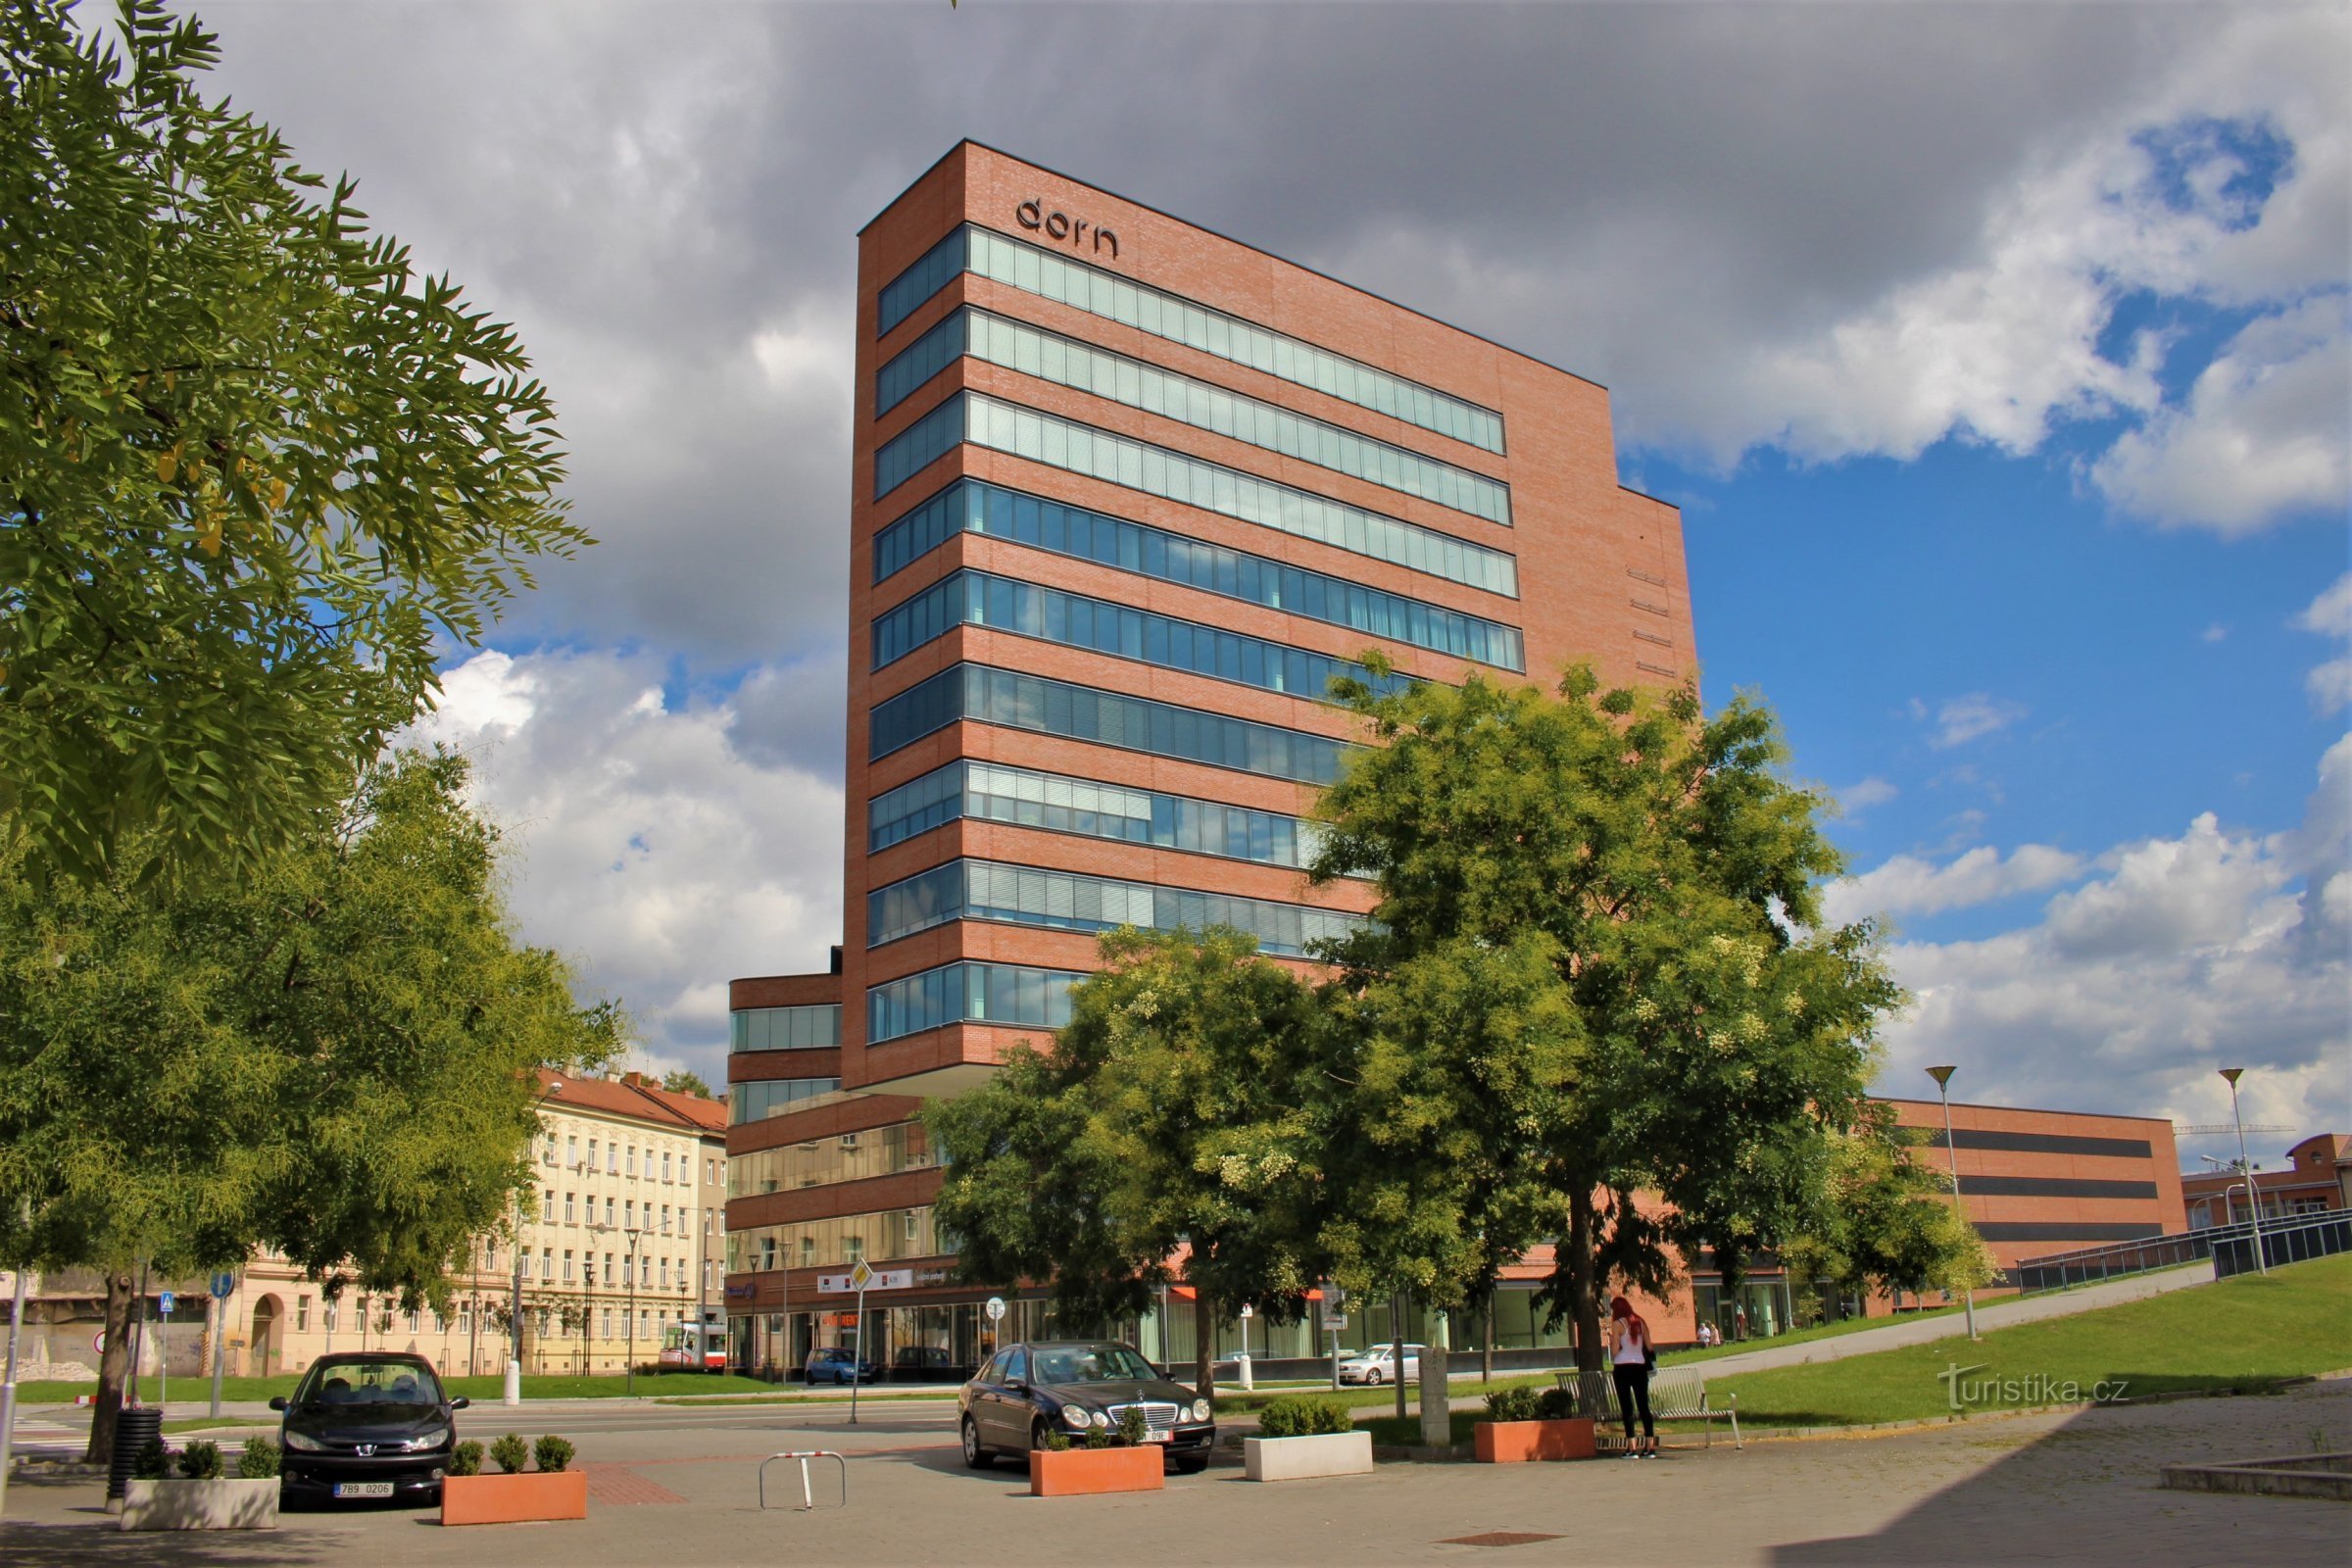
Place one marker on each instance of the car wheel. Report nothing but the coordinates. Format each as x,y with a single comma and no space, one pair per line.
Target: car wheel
1373,1377
1037,1436
975,1458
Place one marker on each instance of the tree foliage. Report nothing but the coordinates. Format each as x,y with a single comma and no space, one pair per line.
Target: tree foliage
1886,1221
333,1057
1595,972
1155,1140
256,475
686,1082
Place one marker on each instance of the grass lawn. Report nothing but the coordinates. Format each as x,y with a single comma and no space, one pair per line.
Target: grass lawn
2246,1334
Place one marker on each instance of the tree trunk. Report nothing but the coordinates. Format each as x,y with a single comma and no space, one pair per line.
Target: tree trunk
1486,1357
1583,1299
114,1364
1204,1345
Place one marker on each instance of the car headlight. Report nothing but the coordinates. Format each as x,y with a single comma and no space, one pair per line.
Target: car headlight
430,1438
1076,1417
1101,1418
1200,1409
304,1442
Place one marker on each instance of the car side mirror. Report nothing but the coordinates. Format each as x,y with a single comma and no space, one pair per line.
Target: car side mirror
460,1402
277,1401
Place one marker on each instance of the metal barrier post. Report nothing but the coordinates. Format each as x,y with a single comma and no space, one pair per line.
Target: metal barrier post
807,1494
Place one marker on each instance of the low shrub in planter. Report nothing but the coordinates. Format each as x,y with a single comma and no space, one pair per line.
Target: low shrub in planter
259,1460
553,1454
1296,1416
1531,1404
153,1462
465,1459
200,1461
511,1453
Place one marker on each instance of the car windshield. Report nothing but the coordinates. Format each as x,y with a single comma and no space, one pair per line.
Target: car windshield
1094,1363
359,1383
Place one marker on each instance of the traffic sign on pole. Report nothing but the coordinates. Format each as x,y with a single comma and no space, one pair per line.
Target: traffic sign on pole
996,1309
162,1302
861,1274
224,1283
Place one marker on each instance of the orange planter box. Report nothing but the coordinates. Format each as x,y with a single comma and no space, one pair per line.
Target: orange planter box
1083,1471
1519,1441
514,1499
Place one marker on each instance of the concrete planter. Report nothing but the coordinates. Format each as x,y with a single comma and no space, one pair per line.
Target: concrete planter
224,1504
1326,1453
1084,1472
514,1499
1520,1442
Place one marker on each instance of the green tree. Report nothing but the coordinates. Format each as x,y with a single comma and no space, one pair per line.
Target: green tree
334,1058
1156,1141
256,476
1886,1222
1594,973
684,1082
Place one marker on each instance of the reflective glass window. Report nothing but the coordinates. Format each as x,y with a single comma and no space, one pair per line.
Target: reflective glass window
1035,896
1055,803
812,1028
969,993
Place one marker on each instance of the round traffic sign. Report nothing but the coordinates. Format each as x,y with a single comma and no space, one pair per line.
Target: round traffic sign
996,1309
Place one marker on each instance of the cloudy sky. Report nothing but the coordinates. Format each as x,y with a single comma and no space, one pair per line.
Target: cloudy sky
1996,354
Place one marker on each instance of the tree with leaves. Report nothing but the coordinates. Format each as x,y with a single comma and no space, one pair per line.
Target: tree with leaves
333,1057
1886,1222
686,1082
257,476
1595,972
1154,1142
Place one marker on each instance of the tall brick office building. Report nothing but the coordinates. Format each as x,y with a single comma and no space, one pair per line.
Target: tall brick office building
1125,494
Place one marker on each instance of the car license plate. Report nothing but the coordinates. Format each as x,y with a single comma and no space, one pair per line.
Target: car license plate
363,1488
1155,1437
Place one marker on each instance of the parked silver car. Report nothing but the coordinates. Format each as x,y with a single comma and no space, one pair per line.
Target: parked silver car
1379,1365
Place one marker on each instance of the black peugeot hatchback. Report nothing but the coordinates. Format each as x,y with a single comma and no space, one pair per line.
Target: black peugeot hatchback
371,1425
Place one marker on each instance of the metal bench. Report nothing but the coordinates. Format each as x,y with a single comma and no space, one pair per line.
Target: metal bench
1675,1394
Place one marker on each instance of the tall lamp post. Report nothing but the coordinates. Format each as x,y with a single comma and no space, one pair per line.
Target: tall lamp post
628,1273
1943,1089
2230,1076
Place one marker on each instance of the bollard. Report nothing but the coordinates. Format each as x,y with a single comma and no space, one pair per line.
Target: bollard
514,1383
808,1497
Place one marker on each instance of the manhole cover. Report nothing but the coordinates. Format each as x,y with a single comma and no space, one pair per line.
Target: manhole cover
1498,1538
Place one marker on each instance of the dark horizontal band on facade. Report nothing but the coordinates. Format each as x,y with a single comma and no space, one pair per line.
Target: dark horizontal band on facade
2032,1143
2054,1187
983,694
991,511
2075,1229
1028,350
1157,313
998,426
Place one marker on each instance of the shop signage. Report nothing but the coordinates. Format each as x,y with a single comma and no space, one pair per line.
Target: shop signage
878,1279
1032,215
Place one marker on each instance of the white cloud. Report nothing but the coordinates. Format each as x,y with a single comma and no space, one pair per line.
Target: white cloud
2331,616
1908,885
1872,791
642,842
2262,435
2214,948
1961,719
2217,633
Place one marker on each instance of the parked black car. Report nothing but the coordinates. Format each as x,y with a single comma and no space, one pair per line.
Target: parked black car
837,1365
1026,1391
372,1425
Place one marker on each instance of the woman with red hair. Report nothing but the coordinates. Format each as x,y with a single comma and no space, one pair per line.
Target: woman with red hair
1631,1357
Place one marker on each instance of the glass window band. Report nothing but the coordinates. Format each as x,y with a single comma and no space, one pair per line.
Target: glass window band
1074,621
811,1028
1075,447
1065,361
969,993
763,1097
978,507
1064,901
1066,281
1055,803
987,695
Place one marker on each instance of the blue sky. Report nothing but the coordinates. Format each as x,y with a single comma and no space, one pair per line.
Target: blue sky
1998,355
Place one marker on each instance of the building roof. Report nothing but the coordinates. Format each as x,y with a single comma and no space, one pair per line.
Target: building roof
633,1097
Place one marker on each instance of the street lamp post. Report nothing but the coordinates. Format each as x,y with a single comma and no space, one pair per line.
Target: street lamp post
628,1273
1943,1080
2230,1076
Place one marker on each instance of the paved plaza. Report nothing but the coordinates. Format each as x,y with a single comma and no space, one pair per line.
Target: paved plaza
675,1485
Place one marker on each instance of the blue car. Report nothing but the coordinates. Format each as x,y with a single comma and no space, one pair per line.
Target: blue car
838,1366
